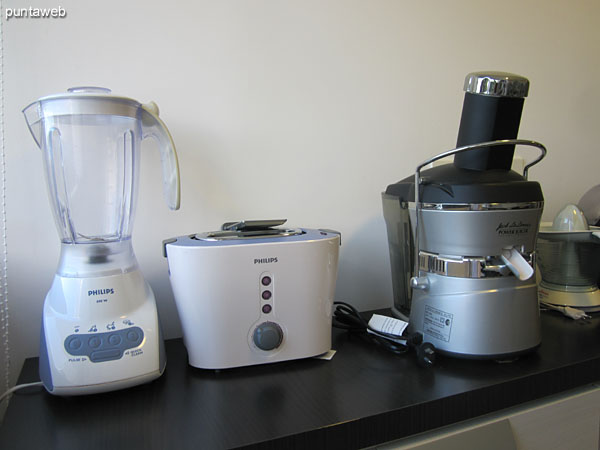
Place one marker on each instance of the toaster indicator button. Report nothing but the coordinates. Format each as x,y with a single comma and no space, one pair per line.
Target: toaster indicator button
266,309
266,295
266,280
268,336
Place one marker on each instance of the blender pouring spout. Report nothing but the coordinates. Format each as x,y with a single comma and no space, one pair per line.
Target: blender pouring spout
33,118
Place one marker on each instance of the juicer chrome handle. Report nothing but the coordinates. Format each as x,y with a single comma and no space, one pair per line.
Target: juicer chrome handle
416,281
487,144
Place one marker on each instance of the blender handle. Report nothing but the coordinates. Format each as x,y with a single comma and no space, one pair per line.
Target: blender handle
416,281
153,126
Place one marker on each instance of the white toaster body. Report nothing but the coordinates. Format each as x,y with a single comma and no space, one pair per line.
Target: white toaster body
254,300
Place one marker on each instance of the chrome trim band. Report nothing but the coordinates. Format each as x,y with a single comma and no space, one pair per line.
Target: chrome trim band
496,84
464,267
478,206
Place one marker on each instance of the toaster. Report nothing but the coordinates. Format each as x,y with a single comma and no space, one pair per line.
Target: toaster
254,292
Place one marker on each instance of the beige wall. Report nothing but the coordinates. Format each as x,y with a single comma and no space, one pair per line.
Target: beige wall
297,109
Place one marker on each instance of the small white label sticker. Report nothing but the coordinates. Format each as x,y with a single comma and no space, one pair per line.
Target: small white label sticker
388,325
437,323
328,356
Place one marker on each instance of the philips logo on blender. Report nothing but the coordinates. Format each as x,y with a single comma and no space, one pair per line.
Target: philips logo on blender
101,292
35,13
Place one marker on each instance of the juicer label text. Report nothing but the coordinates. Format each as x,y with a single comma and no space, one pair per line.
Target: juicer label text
512,228
437,323
265,260
108,291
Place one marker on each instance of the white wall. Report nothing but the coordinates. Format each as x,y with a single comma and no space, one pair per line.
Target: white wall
296,109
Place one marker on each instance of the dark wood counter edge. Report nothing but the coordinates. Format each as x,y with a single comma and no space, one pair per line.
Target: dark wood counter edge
414,419
410,419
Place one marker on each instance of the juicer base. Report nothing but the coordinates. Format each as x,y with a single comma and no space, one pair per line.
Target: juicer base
493,318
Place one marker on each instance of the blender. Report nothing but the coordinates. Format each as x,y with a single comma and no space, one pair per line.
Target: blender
100,329
462,235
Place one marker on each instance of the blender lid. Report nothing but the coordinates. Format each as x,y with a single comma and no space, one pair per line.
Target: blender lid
86,100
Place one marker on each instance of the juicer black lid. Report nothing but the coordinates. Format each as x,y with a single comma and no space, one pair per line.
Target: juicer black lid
451,184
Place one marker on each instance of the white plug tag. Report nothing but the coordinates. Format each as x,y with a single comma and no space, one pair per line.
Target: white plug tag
388,325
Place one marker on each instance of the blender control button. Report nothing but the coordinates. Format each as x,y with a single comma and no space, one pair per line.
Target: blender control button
74,343
268,336
114,339
95,342
105,355
266,280
266,309
133,336
266,295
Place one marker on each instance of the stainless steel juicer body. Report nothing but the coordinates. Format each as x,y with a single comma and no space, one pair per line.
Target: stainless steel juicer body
463,294
462,235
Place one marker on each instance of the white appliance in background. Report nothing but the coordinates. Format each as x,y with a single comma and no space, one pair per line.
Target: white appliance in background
100,329
253,293
569,259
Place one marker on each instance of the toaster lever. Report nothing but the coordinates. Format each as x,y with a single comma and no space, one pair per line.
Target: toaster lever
252,225
327,230
165,243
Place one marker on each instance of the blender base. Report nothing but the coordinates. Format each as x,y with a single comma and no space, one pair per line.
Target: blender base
588,301
100,334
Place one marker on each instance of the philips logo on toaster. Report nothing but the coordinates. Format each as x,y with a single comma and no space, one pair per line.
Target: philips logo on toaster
265,260
101,292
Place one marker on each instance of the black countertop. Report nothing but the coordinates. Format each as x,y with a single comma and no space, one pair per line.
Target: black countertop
364,396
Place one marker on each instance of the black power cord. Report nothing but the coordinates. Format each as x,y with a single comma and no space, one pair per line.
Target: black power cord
346,317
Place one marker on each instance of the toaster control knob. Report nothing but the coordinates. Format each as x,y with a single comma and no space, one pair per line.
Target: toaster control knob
268,336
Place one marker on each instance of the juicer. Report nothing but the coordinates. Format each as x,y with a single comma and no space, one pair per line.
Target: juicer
462,235
100,328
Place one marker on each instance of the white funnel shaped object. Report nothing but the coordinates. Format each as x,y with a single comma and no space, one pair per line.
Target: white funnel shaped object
570,218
